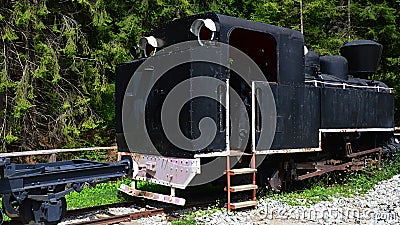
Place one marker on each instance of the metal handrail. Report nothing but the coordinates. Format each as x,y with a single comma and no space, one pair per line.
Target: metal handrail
348,85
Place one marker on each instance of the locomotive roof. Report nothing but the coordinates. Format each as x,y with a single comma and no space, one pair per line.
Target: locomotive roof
179,29
287,45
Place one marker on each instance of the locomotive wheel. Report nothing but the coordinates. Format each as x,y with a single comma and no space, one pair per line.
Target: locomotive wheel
1,217
10,206
277,180
63,212
27,208
26,213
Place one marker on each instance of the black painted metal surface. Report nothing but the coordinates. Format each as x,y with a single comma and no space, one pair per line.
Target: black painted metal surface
355,108
289,43
363,57
298,117
124,73
334,65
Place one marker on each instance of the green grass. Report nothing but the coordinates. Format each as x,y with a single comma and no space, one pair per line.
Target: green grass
5,217
107,193
146,186
184,222
102,194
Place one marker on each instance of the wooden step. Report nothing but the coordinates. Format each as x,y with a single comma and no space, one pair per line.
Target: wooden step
242,171
239,205
244,187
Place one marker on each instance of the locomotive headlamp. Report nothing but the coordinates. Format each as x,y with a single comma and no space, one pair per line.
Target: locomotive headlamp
149,45
204,29
305,50
134,51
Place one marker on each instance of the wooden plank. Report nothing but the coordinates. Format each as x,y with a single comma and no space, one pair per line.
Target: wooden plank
242,171
238,205
244,187
53,151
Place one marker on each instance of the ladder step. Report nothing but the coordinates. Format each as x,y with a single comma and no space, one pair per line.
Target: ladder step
244,187
242,171
238,205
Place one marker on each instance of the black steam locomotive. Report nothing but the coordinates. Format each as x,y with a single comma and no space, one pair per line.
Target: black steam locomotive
214,95
327,113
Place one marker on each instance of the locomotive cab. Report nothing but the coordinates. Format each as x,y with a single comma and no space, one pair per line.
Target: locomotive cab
272,48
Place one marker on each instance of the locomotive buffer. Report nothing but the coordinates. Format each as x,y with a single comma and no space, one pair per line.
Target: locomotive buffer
36,193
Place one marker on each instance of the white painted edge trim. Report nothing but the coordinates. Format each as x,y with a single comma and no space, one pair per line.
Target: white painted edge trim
285,151
227,119
211,154
349,130
253,117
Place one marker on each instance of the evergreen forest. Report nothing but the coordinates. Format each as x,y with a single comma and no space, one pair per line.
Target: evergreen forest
58,57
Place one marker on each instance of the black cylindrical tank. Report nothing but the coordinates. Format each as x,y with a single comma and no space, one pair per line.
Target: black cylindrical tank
335,65
363,57
312,66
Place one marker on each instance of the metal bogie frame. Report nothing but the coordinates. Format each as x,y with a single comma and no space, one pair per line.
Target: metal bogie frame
35,193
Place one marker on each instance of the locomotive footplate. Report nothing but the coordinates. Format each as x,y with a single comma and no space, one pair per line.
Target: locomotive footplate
35,193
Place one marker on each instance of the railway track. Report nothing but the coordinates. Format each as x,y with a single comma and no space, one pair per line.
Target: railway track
100,215
83,215
122,218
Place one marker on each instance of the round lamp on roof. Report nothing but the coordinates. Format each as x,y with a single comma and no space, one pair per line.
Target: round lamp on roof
204,29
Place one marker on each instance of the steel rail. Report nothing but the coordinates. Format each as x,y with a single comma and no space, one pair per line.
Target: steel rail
122,218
